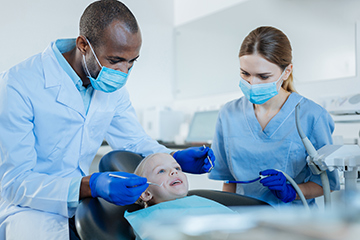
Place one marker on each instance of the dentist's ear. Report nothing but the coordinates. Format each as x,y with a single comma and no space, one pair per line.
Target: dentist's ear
146,196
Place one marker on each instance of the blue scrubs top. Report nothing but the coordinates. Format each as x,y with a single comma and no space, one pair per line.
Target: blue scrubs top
242,149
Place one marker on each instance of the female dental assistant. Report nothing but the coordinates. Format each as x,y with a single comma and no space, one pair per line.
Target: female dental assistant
257,132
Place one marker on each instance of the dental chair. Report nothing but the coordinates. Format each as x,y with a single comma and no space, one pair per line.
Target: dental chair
96,218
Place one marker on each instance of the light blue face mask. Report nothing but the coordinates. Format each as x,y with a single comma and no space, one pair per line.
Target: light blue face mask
108,80
259,93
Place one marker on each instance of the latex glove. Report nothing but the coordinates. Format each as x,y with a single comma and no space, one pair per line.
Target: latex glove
277,183
120,191
194,159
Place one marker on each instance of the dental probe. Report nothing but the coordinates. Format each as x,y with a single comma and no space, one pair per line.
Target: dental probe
250,181
212,165
150,183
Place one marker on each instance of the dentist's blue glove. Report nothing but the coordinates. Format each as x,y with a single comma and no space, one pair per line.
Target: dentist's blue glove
120,191
277,183
194,159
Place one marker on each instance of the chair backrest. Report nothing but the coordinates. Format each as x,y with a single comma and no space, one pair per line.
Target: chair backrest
95,218
99,219
226,198
119,160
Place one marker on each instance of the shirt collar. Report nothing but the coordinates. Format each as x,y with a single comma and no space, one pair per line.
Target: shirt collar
62,46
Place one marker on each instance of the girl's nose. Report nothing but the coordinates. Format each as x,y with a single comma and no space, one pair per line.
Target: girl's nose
174,171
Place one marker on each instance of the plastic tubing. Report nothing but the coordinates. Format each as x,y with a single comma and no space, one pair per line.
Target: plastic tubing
326,188
297,189
313,154
307,144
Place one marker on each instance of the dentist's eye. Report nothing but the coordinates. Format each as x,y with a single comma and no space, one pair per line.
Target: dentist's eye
113,61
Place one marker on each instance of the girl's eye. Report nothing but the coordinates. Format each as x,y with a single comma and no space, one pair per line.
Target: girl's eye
178,168
161,171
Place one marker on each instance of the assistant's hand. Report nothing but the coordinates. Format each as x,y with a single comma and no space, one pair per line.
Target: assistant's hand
276,182
194,159
120,191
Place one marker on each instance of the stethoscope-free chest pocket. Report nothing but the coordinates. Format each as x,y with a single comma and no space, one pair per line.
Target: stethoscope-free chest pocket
247,157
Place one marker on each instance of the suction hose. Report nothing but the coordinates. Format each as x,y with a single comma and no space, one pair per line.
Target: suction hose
313,154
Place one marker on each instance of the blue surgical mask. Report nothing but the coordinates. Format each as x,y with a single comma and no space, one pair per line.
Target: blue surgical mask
259,93
108,80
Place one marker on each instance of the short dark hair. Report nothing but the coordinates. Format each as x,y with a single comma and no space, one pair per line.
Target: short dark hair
100,14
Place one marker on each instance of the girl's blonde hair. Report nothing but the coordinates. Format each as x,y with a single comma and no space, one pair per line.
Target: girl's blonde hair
140,171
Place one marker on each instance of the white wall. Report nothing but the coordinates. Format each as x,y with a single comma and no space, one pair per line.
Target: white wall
190,10
27,27
152,79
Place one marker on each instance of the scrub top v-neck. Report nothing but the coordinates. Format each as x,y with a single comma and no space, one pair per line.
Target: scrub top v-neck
243,149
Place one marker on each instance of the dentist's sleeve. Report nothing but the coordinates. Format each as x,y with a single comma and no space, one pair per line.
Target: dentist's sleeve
20,185
126,133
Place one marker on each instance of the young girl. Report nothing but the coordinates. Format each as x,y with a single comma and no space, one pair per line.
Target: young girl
167,201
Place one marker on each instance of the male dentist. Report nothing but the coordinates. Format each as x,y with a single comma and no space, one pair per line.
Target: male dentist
56,108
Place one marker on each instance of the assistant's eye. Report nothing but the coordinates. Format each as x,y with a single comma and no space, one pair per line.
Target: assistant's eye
245,73
264,77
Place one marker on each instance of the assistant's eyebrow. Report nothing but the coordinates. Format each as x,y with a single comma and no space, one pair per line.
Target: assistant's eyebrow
265,73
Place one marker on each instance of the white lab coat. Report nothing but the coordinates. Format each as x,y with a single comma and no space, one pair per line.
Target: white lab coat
46,140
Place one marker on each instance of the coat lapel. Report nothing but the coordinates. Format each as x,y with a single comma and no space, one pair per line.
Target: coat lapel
55,76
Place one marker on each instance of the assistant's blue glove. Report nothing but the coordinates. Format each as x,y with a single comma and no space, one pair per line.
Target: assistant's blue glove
277,183
120,191
194,159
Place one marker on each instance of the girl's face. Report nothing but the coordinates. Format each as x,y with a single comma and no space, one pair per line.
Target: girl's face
163,169
257,70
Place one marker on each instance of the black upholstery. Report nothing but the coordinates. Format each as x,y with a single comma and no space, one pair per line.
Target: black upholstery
227,198
99,219
119,160
96,218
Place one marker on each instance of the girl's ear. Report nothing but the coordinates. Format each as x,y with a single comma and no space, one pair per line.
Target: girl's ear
146,196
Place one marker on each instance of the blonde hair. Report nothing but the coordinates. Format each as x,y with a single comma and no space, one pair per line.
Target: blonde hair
273,45
140,171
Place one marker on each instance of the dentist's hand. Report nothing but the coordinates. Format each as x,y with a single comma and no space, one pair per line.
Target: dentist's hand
194,159
120,191
277,183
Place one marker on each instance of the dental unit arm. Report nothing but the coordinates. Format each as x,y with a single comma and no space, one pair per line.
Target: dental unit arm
330,157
